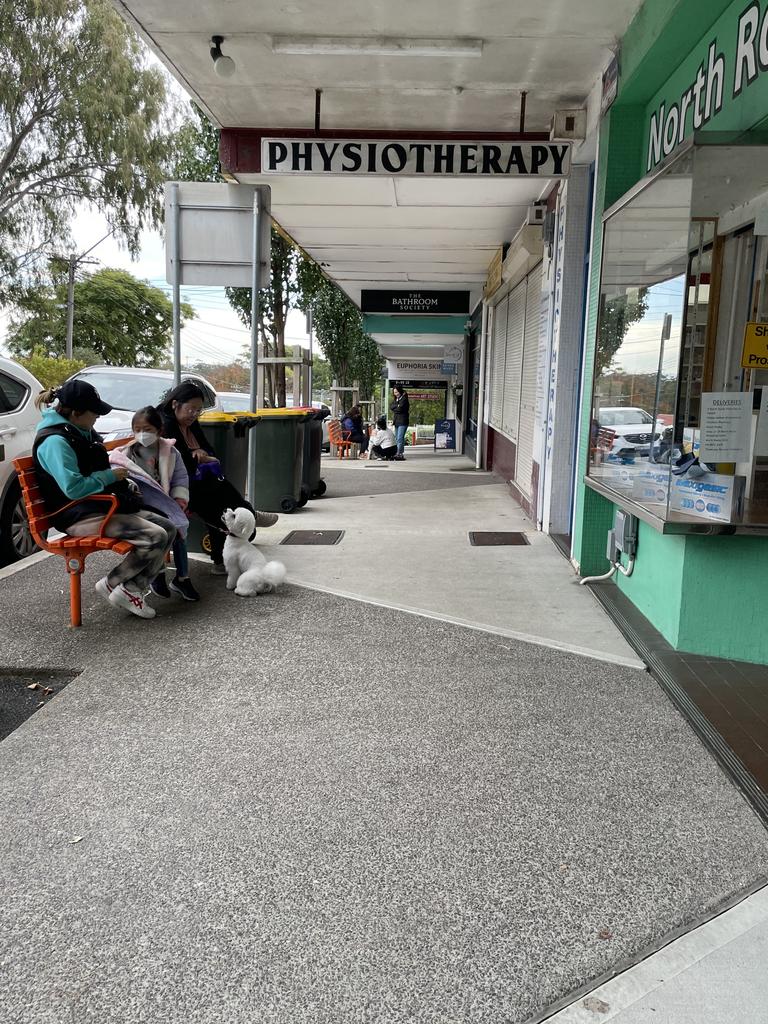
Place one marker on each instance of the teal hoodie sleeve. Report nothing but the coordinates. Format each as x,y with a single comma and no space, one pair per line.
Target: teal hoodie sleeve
58,458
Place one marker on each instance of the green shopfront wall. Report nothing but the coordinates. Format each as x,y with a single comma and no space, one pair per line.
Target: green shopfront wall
704,594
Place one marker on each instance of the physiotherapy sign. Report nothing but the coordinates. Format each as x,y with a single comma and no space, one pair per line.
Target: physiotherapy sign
416,158
725,78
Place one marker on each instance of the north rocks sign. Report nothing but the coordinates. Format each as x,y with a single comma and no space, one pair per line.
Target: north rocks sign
723,83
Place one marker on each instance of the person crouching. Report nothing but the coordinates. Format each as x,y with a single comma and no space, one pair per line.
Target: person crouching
383,442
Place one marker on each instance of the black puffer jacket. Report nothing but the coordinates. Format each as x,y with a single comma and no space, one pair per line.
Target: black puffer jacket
401,410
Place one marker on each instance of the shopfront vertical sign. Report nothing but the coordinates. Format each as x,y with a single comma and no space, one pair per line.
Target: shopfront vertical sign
493,280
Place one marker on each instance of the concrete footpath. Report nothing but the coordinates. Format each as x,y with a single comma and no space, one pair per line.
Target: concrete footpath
302,807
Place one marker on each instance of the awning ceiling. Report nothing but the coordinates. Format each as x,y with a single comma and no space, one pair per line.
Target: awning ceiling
452,66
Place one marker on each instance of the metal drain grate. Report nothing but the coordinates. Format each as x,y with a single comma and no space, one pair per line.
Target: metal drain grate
497,539
313,537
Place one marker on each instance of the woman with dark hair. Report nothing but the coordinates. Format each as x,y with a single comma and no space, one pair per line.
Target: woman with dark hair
401,411
210,494
354,430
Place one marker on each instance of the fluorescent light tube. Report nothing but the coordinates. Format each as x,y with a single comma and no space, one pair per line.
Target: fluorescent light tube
377,47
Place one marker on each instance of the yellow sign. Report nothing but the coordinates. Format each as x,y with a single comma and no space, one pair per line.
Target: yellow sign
754,355
493,281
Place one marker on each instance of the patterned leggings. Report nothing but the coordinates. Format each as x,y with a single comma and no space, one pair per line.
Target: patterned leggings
152,536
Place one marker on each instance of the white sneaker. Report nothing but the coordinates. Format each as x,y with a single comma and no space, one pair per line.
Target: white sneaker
103,588
133,603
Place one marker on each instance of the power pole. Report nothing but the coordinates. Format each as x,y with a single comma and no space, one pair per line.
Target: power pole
73,261
71,303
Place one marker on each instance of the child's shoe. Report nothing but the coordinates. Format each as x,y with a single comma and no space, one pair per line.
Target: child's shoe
184,589
159,586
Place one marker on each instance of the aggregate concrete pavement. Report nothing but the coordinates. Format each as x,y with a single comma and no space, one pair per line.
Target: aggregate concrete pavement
406,545
298,808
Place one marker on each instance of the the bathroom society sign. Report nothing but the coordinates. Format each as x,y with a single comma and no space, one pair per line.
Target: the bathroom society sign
726,423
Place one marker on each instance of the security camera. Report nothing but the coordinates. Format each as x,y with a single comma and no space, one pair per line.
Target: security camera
224,67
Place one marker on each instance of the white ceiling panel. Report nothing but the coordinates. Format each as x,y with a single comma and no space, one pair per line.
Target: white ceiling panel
376,231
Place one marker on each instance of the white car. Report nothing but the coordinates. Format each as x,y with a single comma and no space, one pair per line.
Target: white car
127,389
18,421
632,427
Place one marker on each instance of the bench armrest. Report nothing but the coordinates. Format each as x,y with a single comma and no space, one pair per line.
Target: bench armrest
112,498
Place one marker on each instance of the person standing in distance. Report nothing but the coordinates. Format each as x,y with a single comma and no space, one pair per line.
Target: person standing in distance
400,414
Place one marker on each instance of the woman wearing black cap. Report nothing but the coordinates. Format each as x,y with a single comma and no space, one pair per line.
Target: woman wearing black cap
72,465
210,493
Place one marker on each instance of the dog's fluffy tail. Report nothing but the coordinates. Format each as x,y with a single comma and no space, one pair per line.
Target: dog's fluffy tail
274,573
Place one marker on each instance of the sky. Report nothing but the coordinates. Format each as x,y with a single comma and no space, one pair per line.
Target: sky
216,335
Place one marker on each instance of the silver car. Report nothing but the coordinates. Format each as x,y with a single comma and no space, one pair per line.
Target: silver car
127,389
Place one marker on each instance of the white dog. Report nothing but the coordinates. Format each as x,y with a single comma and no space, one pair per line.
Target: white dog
248,571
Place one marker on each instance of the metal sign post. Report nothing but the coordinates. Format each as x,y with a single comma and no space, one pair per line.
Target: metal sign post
211,241
176,284
255,320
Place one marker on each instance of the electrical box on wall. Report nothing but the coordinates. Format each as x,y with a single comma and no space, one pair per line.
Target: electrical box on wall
625,532
569,124
536,215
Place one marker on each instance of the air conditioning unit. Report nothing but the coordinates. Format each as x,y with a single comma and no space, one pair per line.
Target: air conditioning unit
569,124
536,215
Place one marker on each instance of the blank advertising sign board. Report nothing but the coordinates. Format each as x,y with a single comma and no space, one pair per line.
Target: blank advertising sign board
216,233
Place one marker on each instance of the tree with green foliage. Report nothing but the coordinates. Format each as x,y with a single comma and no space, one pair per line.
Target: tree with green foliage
52,370
275,303
83,118
123,321
321,373
197,149
338,324
616,317
297,283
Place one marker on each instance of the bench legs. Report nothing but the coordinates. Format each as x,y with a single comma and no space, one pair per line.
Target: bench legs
75,568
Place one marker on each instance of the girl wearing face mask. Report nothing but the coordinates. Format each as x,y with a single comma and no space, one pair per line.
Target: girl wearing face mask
158,468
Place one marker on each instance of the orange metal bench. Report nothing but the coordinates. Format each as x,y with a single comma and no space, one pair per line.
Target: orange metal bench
74,550
336,437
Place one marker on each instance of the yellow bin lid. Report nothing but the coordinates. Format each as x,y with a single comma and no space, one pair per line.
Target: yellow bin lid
264,413
217,417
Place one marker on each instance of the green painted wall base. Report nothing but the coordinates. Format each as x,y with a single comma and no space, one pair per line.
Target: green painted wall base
705,595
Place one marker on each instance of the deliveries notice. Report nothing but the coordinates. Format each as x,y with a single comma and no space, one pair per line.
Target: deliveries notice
726,420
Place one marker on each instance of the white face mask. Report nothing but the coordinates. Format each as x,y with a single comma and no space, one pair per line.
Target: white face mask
146,438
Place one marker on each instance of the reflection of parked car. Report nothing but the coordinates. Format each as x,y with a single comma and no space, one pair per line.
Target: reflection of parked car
234,401
632,429
127,389
18,420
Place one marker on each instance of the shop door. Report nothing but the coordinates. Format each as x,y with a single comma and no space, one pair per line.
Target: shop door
514,342
497,363
528,366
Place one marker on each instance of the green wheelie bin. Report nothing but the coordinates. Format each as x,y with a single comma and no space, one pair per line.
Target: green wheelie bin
279,440
312,482
228,436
